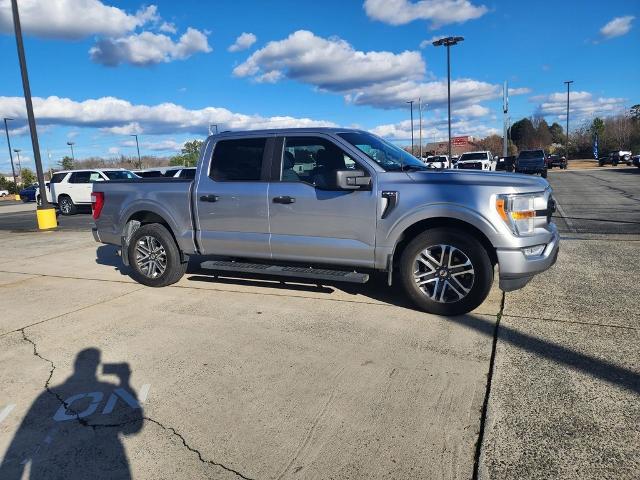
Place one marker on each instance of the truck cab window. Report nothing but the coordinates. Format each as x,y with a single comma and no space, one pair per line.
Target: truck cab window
238,160
313,160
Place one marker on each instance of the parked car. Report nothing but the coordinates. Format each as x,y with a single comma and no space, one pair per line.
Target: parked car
333,204
635,161
28,194
437,161
614,158
557,161
506,163
533,162
4,193
180,172
483,160
69,189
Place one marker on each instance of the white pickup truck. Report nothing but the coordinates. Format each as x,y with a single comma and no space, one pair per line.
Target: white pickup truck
70,188
482,160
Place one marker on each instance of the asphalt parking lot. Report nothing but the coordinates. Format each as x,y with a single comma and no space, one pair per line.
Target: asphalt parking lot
246,377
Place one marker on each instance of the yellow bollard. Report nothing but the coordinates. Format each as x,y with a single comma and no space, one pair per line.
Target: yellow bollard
46,218
17,197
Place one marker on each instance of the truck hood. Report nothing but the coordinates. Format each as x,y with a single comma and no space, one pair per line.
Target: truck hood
524,183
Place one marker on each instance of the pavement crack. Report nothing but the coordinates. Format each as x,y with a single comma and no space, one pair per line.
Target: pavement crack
487,394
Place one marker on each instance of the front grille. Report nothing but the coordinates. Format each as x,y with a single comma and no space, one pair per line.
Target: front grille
470,166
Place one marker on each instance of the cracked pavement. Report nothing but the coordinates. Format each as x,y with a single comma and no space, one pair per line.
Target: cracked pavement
254,378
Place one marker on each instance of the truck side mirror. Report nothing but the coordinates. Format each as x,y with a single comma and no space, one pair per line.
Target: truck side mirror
352,180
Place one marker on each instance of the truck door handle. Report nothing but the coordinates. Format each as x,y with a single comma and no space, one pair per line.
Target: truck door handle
209,198
285,199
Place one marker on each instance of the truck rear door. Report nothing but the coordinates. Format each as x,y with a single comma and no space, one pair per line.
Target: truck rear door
230,198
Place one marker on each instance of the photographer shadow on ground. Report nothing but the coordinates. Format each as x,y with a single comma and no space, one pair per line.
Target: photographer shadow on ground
73,430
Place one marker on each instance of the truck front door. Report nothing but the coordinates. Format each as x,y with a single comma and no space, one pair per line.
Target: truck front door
230,199
311,220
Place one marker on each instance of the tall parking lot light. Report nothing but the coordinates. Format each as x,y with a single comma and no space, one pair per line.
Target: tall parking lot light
448,42
566,153
410,102
138,148
13,170
45,213
17,150
71,144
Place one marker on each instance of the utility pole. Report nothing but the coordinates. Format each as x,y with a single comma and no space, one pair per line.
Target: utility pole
448,42
46,215
73,157
17,150
568,82
505,127
13,170
410,102
420,122
138,148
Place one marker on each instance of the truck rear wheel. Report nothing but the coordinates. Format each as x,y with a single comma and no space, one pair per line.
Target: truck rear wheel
445,271
154,256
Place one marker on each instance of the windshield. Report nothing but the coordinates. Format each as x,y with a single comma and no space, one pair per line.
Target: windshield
527,154
385,154
119,175
473,156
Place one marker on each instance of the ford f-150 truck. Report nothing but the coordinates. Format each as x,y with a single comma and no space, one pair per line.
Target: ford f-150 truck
477,161
333,204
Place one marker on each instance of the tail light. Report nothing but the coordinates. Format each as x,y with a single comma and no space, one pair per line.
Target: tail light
97,202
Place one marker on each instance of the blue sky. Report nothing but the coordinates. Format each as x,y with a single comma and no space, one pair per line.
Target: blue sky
103,70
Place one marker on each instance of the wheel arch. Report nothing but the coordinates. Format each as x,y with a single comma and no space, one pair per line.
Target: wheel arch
145,217
420,226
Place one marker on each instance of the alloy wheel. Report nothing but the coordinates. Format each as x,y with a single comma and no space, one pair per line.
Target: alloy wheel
443,273
151,257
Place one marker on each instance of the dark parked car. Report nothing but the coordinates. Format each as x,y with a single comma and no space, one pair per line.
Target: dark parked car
614,158
532,162
506,163
635,160
28,194
557,161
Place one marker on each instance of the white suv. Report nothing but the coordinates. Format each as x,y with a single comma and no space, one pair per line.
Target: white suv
70,188
477,161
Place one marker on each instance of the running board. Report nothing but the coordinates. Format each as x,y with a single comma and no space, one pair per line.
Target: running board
286,271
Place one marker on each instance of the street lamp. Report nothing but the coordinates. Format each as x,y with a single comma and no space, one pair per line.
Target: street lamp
45,214
71,144
13,170
566,153
17,150
448,42
138,148
410,102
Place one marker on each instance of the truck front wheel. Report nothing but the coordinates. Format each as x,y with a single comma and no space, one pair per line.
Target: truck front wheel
154,256
446,272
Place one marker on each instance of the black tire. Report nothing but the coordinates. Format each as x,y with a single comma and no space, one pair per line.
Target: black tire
66,205
482,269
543,174
25,200
174,269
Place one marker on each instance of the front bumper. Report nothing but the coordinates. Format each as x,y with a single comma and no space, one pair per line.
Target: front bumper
516,269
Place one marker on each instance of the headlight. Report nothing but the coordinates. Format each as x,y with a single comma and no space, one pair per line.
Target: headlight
521,212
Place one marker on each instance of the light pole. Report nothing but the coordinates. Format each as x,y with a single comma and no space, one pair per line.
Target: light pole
566,153
420,126
17,150
410,102
138,148
213,125
71,144
13,170
45,214
448,42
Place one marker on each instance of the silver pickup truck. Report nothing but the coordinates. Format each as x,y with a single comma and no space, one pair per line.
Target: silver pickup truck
333,205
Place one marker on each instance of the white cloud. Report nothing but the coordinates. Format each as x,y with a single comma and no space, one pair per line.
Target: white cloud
519,91
121,117
167,27
472,111
434,128
148,48
244,41
330,64
438,12
617,27
73,19
582,105
113,150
